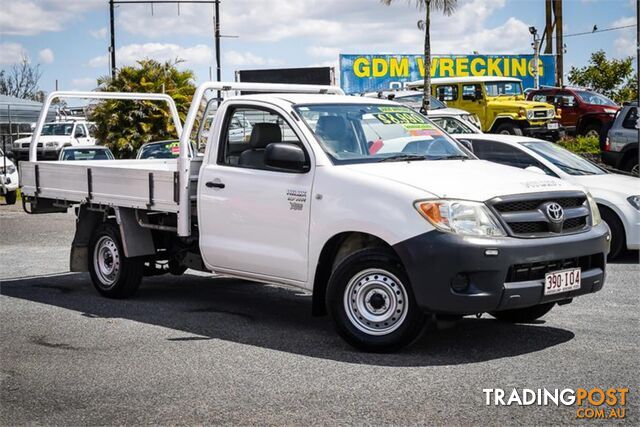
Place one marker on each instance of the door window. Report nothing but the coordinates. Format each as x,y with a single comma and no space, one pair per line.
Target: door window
471,92
565,100
80,131
504,154
92,130
542,97
248,131
629,121
447,93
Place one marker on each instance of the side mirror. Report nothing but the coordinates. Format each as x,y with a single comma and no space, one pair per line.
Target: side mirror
535,169
286,157
467,144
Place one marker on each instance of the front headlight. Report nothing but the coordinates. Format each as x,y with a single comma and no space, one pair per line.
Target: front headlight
551,113
460,217
634,201
610,111
530,115
595,213
10,169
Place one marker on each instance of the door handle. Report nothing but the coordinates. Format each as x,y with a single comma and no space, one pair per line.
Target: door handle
212,184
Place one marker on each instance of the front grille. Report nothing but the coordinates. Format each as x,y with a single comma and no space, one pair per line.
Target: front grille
25,145
530,205
526,215
537,270
540,114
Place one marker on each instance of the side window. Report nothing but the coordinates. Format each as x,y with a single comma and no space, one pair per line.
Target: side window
541,97
471,92
565,100
504,154
92,130
447,93
247,134
629,121
80,131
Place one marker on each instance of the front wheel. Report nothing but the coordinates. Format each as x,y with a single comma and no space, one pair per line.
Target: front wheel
113,274
523,315
618,238
631,165
10,197
509,129
371,302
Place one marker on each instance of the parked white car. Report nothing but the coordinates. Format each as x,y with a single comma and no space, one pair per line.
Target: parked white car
618,196
8,179
55,136
454,125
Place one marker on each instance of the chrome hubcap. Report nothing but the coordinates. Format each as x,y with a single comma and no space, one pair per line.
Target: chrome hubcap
106,261
376,302
635,170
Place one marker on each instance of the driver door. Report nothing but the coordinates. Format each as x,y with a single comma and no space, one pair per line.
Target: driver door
81,135
254,220
472,100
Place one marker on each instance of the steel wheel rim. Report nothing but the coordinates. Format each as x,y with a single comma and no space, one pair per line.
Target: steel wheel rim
106,261
635,169
376,302
593,133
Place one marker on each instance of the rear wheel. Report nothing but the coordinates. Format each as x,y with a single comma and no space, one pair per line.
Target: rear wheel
592,130
631,165
10,197
113,274
371,302
618,240
509,129
523,315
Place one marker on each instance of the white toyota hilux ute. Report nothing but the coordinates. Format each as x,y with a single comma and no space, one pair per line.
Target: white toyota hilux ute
363,202
55,136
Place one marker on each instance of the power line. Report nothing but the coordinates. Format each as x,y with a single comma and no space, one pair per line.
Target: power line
600,31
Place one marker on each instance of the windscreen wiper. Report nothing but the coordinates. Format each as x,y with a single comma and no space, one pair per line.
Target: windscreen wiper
403,157
453,157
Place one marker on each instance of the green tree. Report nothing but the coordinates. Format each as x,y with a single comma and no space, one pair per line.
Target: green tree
447,7
125,125
611,77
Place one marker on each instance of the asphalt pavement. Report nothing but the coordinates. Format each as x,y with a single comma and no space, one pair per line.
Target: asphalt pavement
203,350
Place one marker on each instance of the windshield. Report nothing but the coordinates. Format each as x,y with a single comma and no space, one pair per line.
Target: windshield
434,104
564,159
595,98
452,125
57,129
367,133
160,150
87,154
503,88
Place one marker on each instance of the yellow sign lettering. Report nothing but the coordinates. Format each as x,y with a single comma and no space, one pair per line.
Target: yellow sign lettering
462,67
361,67
446,67
493,67
475,62
399,68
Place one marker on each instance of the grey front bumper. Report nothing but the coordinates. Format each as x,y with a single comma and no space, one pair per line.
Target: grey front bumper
434,259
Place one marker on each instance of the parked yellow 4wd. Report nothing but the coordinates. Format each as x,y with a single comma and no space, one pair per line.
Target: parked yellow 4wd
499,103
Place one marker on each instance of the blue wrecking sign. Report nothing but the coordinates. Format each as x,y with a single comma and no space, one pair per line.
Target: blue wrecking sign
368,73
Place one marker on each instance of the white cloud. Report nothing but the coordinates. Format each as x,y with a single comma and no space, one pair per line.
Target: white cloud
30,17
127,55
100,33
323,51
625,44
12,53
236,58
84,83
46,56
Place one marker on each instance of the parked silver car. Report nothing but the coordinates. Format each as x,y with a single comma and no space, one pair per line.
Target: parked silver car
621,145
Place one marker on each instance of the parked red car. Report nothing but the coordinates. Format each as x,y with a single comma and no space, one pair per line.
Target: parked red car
582,112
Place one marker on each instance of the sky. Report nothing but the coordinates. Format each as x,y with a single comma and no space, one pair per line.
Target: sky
70,38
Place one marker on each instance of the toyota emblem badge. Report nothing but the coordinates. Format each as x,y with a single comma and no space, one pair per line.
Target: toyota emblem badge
555,212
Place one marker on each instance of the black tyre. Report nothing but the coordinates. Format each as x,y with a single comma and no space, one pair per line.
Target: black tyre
631,165
371,303
592,129
113,274
523,315
618,238
509,129
10,198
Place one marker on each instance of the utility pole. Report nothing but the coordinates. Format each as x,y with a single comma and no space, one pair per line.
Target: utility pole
559,44
112,48
216,28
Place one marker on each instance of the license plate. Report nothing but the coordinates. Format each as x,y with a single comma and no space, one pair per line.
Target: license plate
552,126
557,282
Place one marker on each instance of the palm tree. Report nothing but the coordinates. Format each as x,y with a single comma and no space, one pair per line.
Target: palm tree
447,7
124,125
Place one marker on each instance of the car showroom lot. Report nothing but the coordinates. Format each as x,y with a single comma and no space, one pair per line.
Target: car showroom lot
200,350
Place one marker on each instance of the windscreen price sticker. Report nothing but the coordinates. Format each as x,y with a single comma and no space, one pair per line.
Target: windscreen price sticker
399,118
